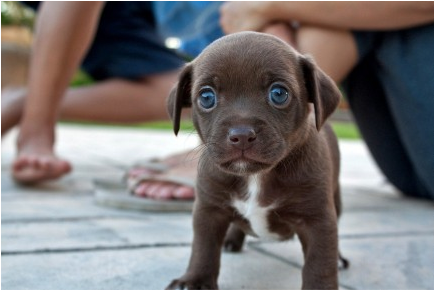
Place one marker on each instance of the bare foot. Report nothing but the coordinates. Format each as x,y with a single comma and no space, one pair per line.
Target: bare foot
31,168
36,161
183,165
34,165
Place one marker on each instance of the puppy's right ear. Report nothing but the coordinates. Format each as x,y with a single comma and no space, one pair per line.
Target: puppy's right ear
322,91
180,97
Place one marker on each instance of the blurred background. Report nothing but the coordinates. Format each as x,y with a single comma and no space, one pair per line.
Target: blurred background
17,22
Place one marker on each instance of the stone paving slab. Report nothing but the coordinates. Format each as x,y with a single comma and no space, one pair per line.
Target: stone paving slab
364,213
376,262
55,236
106,232
96,226
51,206
140,269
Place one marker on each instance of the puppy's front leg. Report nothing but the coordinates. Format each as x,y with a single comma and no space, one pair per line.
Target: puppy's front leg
320,245
210,226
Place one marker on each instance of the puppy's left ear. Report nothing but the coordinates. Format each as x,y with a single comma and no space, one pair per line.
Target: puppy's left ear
321,90
180,97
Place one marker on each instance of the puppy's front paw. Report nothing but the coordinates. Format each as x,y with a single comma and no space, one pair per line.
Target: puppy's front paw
192,284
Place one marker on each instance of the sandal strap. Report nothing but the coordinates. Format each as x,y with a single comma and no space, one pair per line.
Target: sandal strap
132,183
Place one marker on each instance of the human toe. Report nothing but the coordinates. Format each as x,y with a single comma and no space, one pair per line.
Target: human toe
184,193
30,169
164,192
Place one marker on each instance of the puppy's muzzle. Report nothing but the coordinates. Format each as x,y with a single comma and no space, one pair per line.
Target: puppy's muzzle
242,137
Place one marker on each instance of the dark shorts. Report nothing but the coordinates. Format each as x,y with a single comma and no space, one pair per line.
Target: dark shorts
127,44
391,95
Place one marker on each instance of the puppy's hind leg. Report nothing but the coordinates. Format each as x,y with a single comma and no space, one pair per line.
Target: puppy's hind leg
234,239
343,263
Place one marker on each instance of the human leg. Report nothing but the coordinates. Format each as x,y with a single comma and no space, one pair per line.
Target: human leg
126,96
406,74
36,160
12,107
125,101
334,51
391,96
15,69
375,121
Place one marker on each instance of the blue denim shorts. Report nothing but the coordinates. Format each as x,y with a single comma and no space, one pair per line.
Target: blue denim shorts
391,94
128,45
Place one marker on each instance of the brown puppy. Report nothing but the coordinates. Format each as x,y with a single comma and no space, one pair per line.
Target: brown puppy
269,166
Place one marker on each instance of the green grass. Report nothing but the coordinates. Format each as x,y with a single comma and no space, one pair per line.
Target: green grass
343,130
81,79
15,13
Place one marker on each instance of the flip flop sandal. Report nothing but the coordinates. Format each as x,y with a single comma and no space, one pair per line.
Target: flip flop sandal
118,194
154,165
133,183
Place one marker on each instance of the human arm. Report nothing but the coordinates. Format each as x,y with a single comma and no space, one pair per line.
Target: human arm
253,15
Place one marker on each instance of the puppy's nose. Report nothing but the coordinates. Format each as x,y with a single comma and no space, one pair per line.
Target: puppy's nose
242,137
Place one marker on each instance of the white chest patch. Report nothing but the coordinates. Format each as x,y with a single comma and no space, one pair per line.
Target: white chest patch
251,210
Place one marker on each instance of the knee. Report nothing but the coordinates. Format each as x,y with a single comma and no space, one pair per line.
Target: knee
335,51
282,30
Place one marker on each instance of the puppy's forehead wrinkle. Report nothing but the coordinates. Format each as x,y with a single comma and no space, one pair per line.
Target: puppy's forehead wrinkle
252,63
248,42
247,68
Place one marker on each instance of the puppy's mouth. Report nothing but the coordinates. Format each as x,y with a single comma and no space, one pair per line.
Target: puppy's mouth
262,155
243,164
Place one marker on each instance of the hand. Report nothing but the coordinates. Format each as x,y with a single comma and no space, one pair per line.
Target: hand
243,16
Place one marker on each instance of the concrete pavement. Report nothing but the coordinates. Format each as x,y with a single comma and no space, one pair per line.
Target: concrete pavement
56,237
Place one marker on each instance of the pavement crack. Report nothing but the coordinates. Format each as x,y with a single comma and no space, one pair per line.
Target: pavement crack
49,220
386,234
94,249
255,246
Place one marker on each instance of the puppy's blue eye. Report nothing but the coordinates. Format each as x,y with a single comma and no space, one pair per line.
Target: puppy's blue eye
278,95
207,98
